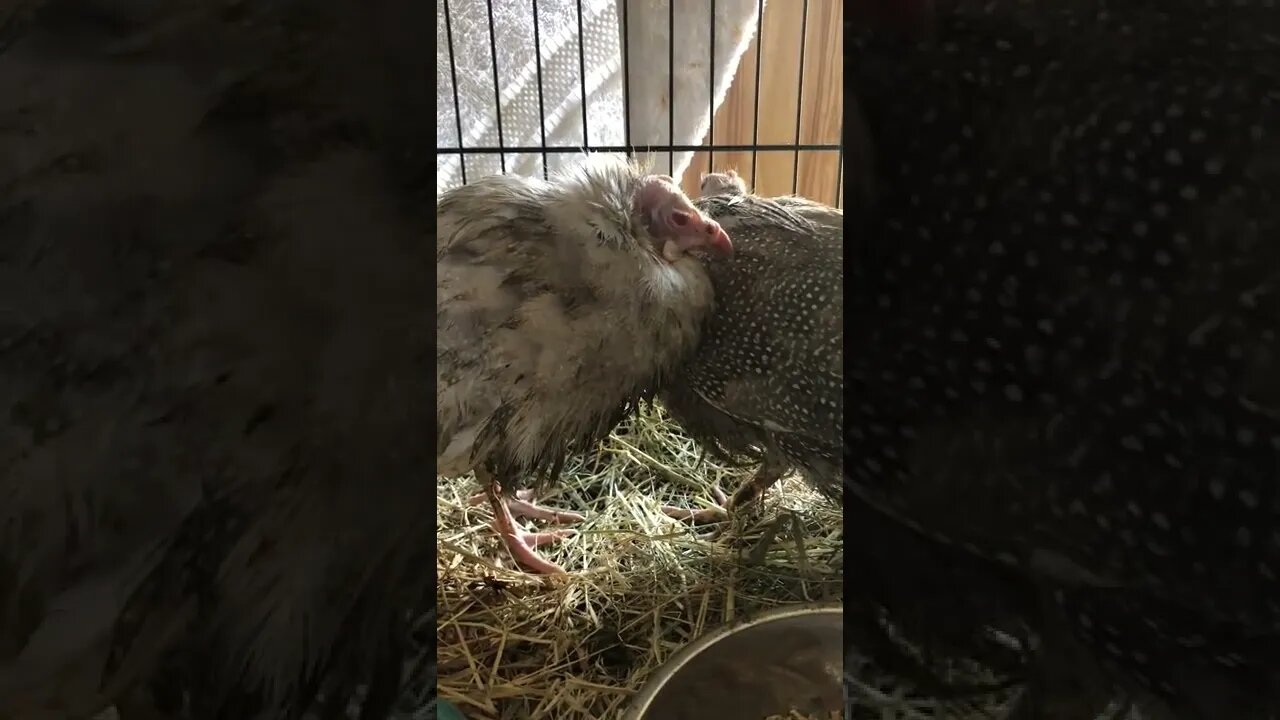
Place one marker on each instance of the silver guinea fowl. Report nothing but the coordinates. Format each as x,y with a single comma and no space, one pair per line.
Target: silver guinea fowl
1065,309
213,356
765,382
559,305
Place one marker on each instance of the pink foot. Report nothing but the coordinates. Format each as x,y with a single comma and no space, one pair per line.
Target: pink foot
749,493
523,544
701,516
522,506
538,539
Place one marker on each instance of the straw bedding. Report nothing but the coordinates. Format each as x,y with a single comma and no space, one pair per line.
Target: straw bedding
514,646
642,585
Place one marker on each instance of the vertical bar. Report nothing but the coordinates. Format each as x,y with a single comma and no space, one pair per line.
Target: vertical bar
711,96
804,32
626,77
755,125
582,79
497,91
453,75
542,115
671,87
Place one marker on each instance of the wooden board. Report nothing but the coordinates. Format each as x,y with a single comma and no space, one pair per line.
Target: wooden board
819,174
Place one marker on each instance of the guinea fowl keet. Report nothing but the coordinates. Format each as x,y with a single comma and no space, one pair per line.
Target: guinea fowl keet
765,382
559,305
1065,313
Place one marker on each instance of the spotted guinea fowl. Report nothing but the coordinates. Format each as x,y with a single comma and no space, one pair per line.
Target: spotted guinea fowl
765,382
213,356
558,306
1065,312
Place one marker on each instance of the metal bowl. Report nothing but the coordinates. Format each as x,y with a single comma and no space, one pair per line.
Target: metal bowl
784,659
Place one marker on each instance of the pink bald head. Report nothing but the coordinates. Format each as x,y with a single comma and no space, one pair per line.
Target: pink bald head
675,223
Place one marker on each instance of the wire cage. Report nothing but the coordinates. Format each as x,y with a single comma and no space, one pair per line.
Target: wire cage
778,122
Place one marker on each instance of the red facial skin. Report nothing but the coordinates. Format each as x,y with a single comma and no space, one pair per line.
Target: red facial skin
673,217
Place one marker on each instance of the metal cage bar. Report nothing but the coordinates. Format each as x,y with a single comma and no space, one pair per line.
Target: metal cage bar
453,79
626,86
711,147
582,77
671,83
711,95
755,99
542,110
497,88
804,36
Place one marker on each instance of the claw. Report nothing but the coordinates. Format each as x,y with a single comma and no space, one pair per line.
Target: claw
701,516
523,545
522,505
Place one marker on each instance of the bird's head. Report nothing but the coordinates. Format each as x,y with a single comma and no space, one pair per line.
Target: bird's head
726,182
676,226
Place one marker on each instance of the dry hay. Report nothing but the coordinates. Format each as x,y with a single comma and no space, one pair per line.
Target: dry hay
512,646
642,586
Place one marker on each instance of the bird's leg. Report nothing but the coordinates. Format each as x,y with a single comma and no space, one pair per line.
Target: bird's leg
522,505
754,489
751,491
717,512
522,544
